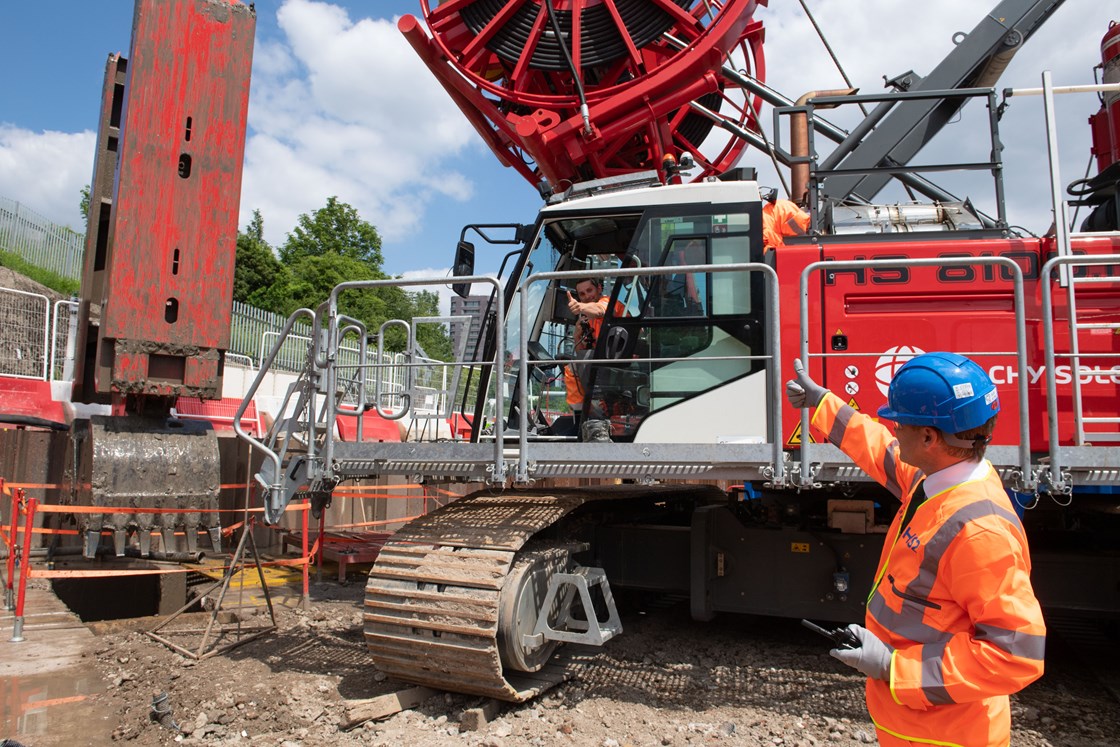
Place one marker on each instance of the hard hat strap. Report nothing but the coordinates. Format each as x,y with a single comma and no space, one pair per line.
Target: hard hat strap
962,443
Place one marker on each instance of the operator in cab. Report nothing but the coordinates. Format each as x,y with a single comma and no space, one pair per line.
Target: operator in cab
780,218
589,306
952,624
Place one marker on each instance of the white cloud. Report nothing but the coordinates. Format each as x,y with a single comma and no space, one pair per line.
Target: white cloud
46,171
886,38
342,106
362,120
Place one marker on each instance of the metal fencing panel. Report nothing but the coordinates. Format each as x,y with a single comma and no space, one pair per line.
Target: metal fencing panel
41,347
253,331
24,328
39,241
64,328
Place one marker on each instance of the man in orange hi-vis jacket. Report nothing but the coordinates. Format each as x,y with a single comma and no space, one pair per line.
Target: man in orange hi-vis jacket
781,218
589,308
952,623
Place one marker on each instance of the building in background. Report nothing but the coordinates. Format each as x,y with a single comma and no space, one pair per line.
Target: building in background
474,307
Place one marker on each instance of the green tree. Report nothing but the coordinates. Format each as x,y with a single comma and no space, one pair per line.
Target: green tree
334,229
331,246
258,272
83,205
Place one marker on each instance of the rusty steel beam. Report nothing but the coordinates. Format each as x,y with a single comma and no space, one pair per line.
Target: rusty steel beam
163,272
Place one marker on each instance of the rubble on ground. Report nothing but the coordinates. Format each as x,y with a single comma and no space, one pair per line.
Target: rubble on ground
667,680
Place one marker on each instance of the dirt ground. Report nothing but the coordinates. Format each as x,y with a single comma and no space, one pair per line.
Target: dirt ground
666,681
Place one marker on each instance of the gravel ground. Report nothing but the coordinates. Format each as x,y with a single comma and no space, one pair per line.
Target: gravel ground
666,681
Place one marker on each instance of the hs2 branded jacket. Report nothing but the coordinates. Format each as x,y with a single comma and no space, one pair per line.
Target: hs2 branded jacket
952,595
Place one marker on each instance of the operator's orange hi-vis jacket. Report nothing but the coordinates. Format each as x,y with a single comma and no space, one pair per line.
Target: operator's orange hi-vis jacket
952,595
572,384
782,218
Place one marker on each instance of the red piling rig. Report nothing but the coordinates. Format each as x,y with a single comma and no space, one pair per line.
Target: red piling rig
640,64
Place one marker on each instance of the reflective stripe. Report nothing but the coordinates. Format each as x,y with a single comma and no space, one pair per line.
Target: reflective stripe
890,471
840,425
933,674
946,533
907,623
890,466
1014,642
918,740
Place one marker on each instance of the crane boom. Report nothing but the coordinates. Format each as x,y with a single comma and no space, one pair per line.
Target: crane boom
903,128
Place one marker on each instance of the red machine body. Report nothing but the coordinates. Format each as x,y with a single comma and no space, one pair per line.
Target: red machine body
882,317
160,267
640,66
1106,123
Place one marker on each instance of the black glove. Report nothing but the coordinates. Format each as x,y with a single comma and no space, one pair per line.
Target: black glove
873,657
803,391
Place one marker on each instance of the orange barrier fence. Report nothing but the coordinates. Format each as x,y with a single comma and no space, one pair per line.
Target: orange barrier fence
19,552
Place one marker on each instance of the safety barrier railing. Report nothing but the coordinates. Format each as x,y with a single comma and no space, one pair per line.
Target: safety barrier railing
25,327
1059,205
321,375
328,312
1027,480
909,174
19,557
33,552
1059,480
64,328
236,359
316,469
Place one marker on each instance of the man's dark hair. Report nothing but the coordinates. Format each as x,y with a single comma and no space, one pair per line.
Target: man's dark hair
980,436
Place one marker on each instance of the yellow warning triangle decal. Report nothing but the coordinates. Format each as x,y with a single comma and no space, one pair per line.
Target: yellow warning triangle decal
852,404
795,437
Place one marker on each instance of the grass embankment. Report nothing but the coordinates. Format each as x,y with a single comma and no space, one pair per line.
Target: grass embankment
54,281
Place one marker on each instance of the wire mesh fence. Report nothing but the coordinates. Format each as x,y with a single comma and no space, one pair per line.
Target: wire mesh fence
24,327
39,241
36,342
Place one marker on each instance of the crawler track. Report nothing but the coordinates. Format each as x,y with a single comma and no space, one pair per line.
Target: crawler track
433,601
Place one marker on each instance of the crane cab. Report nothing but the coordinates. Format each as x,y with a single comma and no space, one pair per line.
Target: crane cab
671,333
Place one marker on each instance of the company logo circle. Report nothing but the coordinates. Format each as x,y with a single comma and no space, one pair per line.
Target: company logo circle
889,363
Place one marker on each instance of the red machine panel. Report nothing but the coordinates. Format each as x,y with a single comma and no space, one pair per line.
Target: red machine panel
874,320
169,259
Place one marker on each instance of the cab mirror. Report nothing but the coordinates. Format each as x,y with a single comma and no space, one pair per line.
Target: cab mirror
462,267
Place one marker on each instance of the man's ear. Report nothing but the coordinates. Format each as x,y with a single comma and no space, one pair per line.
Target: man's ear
930,436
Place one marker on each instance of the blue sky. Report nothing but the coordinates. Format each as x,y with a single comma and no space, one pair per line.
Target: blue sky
340,106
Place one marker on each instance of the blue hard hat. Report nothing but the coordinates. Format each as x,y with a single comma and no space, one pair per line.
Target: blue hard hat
943,390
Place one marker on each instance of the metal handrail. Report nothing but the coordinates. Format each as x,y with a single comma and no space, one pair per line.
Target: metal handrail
1028,478
277,487
330,306
905,172
71,338
1056,479
406,395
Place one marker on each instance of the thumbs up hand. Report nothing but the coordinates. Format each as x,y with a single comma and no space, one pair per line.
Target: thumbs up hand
803,391
573,305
